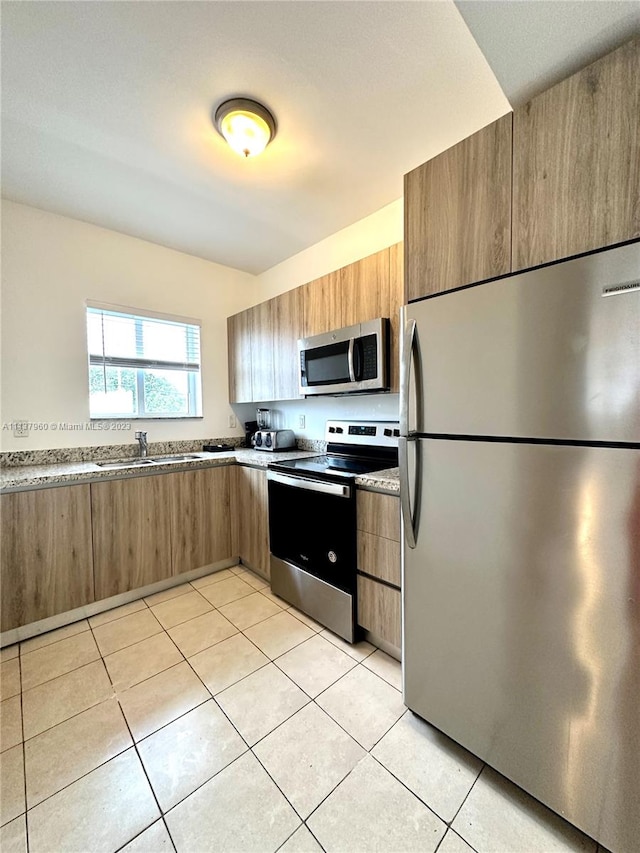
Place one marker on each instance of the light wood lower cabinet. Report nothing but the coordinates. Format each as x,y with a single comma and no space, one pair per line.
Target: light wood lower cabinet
250,514
47,562
379,610
131,533
200,518
379,596
379,557
379,514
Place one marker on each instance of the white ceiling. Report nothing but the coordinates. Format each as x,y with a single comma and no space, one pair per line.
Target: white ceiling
532,45
106,107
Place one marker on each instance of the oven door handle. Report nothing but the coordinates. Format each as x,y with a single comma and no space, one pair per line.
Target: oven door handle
336,489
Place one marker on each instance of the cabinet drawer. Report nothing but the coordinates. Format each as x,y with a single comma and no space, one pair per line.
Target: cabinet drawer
379,610
379,514
379,557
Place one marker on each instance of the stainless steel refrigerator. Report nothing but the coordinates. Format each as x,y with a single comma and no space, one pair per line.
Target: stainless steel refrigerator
520,487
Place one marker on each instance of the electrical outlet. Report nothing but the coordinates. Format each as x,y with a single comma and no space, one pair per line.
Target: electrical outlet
21,428
232,422
302,421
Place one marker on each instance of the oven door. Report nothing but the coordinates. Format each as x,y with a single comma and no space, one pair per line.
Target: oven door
312,525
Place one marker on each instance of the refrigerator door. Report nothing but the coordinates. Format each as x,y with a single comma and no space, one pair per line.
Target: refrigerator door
544,354
521,620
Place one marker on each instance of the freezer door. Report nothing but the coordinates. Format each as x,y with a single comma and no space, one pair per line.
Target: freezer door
522,620
552,353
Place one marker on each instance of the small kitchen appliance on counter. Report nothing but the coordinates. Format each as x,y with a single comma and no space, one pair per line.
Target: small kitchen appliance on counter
275,439
312,520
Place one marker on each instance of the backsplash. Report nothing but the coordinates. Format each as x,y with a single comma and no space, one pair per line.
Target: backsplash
102,452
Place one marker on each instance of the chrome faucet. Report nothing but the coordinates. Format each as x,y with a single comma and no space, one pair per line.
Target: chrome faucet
141,437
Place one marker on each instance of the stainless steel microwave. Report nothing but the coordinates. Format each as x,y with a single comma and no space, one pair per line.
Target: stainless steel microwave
350,360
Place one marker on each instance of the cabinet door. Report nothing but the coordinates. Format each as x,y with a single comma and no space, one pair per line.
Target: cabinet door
396,299
458,213
47,561
379,514
576,162
365,289
239,354
379,610
200,518
322,304
287,328
379,536
251,515
131,533
262,351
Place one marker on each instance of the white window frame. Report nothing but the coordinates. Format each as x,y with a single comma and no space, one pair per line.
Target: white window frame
140,364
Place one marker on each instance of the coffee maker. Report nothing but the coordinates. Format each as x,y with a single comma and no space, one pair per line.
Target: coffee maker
250,429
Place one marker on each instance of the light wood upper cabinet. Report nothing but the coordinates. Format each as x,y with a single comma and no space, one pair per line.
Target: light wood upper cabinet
365,289
576,162
323,304
200,518
287,328
131,533
261,355
458,213
263,341
239,350
250,513
47,560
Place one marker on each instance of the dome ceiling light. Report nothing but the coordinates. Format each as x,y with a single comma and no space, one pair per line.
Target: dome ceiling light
247,125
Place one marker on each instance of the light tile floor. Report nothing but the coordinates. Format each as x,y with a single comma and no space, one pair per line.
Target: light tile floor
213,716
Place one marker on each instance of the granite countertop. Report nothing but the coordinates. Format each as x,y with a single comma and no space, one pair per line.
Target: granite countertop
19,477
387,480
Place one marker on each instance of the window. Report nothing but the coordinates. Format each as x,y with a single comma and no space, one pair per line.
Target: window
142,365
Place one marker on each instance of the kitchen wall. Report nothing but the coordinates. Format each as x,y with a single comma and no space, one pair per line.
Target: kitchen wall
368,235
51,265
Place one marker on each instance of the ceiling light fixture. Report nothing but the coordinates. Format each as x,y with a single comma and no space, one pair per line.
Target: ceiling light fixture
247,125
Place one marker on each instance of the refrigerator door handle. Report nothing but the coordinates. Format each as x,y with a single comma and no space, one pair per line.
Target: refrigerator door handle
408,514
408,344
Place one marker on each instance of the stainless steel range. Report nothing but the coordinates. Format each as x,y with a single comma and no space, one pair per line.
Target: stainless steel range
312,520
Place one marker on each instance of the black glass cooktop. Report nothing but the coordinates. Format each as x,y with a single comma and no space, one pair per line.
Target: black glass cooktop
332,467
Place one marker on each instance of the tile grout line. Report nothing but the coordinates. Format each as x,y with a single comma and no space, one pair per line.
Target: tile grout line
24,755
146,775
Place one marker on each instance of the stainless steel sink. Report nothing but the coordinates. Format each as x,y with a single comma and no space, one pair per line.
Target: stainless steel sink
185,457
151,460
125,463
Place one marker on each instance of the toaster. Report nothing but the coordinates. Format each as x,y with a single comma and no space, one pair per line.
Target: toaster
274,439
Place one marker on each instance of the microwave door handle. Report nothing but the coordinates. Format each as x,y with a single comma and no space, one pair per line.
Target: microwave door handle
352,375
358,366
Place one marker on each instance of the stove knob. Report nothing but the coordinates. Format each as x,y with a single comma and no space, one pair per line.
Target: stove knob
387,432
332,429
396,433
333,557
339,429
